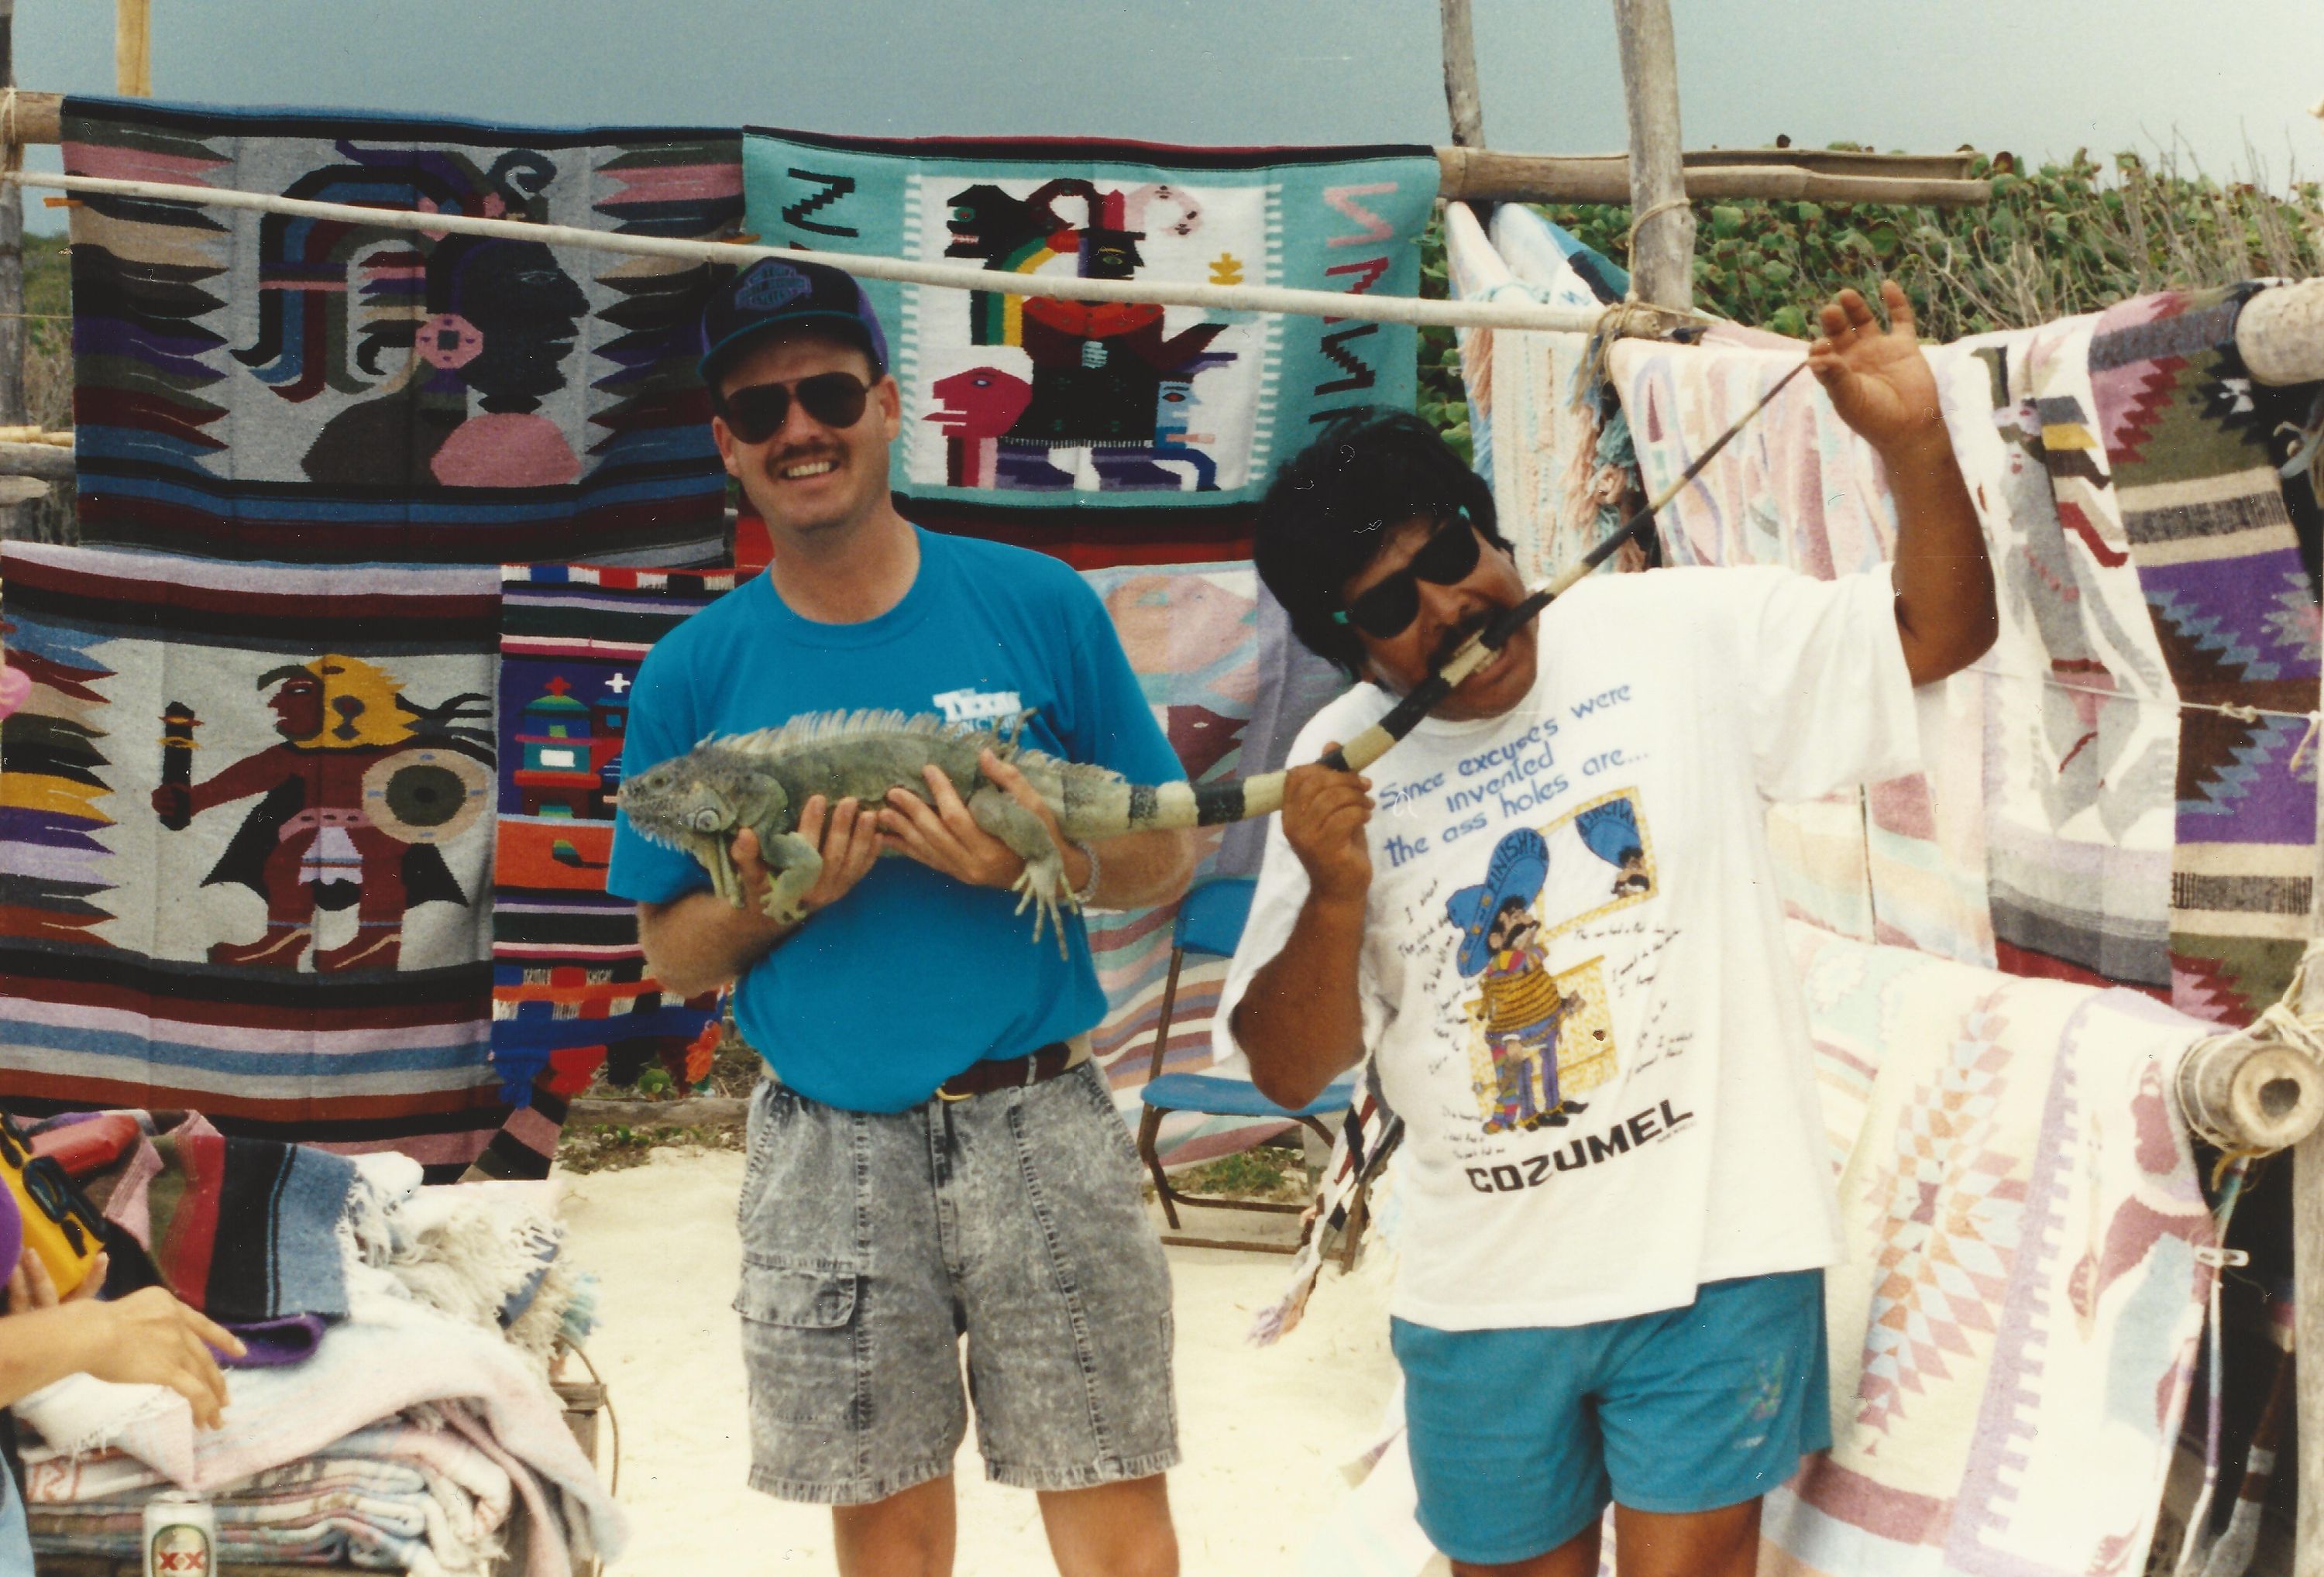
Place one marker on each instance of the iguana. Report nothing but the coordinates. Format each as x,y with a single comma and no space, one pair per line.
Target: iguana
697,802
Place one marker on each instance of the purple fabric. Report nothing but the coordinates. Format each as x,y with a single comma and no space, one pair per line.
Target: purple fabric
12,1232
275,1344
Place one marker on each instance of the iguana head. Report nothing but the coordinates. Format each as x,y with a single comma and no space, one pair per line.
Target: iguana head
697,802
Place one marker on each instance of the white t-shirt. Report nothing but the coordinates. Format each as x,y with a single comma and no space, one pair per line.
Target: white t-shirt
1572,903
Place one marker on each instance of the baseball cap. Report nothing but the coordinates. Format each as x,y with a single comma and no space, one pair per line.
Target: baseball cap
775,293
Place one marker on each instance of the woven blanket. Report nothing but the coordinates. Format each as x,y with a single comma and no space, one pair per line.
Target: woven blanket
365,1373
568,979
1556,449
380,1529
246,1229
246,817
2182,459
435,1477
2080,730
1231,686
2014,1328
1109,433
1902,861
262,387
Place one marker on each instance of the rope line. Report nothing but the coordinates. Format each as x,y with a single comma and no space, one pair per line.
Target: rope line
1227,299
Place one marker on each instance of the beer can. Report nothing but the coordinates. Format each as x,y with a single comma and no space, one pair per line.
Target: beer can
180,1537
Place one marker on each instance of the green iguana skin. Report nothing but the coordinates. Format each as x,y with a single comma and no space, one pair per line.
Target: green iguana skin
697,802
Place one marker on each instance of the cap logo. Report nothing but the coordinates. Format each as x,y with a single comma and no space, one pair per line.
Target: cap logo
771,288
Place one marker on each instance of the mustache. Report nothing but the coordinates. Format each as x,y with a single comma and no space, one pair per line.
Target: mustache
800,457
1458,636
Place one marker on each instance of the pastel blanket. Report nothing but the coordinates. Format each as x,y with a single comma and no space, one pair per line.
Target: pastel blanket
1902,861
2013,1326
1231,687
1555,446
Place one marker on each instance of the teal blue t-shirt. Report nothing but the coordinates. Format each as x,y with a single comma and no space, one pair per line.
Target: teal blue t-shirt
912,976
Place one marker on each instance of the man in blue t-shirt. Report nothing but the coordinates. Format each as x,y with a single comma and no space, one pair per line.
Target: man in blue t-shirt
932,1154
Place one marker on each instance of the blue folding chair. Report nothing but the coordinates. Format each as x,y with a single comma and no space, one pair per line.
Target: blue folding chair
1211,921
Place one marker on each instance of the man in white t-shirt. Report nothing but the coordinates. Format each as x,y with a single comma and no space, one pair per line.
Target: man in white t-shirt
1551,918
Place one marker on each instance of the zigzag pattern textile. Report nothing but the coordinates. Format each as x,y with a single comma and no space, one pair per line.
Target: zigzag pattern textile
570,991
1109,433
1231,686
246,827
2232,588
2024,1222
2081,732
255,386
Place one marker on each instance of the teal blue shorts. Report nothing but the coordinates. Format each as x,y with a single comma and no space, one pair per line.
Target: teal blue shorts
1521,1438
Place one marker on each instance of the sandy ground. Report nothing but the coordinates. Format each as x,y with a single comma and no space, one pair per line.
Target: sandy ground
1263,1431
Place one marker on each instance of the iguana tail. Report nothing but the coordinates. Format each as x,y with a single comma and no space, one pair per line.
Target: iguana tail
1109,806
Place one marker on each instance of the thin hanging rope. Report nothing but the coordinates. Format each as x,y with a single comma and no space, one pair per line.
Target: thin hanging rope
907,270
1404,717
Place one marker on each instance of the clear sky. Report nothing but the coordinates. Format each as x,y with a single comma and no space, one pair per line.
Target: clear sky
2038,78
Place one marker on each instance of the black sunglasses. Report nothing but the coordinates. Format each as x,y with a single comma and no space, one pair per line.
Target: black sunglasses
756,414
1386,608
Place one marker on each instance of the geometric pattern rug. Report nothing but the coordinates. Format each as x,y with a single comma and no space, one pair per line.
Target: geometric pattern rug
2013,1326
1109,433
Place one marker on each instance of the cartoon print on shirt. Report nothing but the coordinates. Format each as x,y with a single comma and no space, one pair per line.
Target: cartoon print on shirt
1609,828
1603,860
1524,1004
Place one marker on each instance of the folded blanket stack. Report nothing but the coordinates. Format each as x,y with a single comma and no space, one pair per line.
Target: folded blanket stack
397,1406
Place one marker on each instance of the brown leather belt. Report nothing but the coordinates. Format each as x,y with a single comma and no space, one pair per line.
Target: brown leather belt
1012,1073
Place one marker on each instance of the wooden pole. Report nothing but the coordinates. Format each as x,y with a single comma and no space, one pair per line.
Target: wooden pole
2308,1298
2308,1281
133,48
1460,76
1662,246
1480,174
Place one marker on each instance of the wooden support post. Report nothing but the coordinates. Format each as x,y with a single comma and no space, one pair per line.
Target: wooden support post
1662,248
133,48
2308,1283
2308,1359
1460,76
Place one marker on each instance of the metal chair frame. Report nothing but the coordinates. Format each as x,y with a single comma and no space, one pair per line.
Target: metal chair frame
1150,1126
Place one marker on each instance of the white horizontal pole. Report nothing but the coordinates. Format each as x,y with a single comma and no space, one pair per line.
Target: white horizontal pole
947,275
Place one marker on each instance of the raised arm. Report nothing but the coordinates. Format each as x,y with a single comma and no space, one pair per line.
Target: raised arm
1881,387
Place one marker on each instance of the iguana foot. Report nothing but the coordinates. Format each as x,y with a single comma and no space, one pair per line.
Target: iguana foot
1043,884
796,866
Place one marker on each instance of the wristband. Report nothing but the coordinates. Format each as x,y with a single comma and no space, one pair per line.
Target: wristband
1088,893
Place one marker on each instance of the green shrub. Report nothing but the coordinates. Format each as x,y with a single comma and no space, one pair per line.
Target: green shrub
2056,241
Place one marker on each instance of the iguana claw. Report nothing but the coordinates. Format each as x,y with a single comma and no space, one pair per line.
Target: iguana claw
1042,883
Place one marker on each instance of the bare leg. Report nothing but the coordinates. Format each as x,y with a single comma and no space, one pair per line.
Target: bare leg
1724,1542
907,1535
1576,1557
1113,1530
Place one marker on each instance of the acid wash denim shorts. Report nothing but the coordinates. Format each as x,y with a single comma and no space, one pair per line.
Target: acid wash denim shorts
872,1242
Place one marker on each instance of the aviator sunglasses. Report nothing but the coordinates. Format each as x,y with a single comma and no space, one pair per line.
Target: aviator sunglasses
1386,608
756,414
